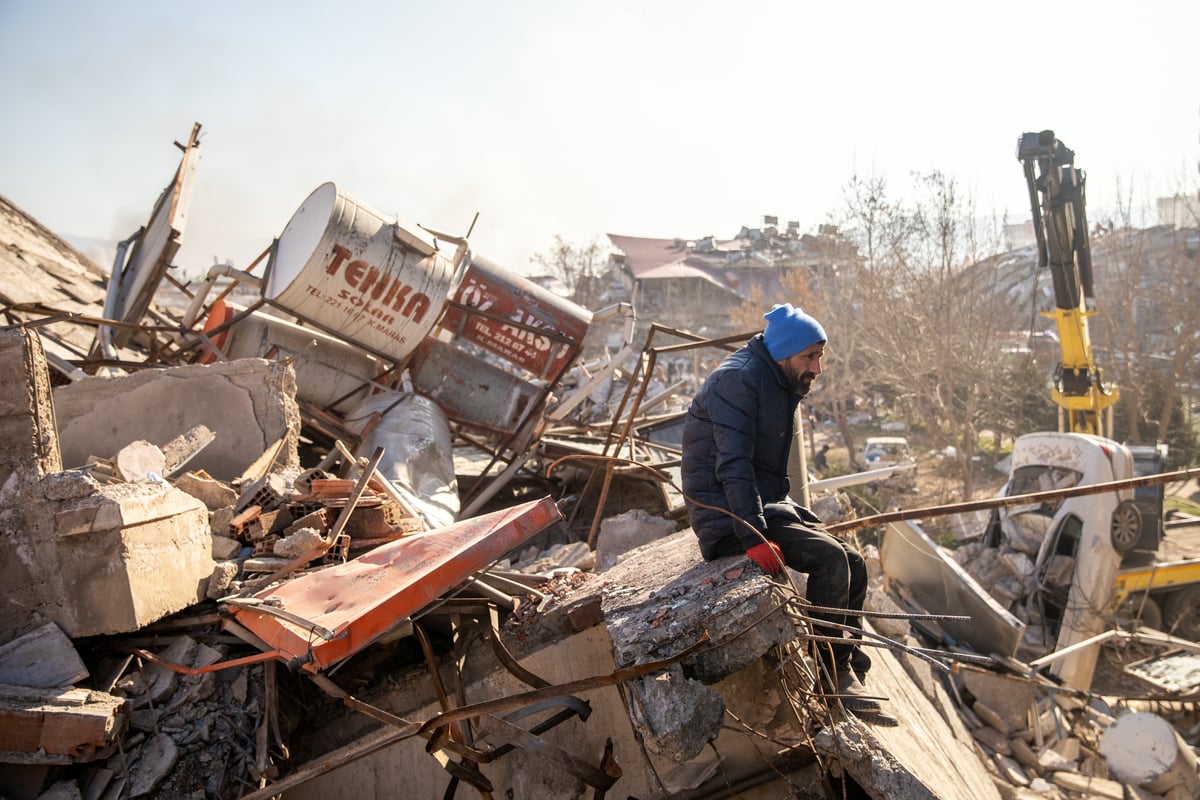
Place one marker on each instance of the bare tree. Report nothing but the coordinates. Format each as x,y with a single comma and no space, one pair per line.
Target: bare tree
1152,323
933,332
580,268
876,230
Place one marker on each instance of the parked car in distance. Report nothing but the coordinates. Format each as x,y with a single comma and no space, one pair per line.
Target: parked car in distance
890,451
885,451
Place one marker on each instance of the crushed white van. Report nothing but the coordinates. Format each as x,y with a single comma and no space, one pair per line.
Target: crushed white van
1072,544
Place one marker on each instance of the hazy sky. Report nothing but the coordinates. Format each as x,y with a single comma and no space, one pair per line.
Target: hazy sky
554,117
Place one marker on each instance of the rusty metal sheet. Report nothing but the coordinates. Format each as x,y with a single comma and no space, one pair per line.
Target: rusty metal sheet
355,603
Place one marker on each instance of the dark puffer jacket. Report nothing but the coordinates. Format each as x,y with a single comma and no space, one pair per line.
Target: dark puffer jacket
736,440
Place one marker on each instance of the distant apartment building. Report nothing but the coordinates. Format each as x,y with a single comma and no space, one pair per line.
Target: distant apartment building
1180,211
697,285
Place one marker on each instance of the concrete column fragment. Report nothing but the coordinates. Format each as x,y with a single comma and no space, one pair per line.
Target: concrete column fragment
93,559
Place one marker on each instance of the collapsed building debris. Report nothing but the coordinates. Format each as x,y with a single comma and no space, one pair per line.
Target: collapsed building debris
95,559
363,525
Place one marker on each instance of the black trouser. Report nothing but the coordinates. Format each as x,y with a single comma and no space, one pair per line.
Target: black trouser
837,577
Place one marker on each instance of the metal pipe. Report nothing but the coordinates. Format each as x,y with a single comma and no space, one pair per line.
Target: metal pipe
214,272
859,478
1101,638
1013,500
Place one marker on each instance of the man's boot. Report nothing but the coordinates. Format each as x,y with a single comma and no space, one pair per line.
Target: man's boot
855,698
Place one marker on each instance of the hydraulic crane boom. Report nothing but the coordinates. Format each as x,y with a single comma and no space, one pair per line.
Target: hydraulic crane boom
1062,238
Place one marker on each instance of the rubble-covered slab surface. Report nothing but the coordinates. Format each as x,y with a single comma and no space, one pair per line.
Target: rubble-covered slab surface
662,597
920,758
36,266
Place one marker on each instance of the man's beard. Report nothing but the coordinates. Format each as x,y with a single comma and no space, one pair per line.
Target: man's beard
798,382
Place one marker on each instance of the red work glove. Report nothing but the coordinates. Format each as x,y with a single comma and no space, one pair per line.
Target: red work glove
768,556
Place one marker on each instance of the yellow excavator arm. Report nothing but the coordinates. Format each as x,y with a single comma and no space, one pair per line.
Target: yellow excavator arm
1056,196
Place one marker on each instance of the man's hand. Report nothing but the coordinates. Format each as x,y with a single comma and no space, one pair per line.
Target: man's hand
768,556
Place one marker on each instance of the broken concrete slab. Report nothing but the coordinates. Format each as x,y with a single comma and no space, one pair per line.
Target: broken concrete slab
178,452
1007,697
156,759
677,715
110,563
668,596
248,404
1089,786
26,412
43,658
213,493
222,579
38,266
159,681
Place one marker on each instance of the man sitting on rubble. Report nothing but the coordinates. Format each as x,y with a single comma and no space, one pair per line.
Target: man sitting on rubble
736,440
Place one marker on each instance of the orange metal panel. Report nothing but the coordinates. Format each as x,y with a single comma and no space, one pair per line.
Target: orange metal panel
365,598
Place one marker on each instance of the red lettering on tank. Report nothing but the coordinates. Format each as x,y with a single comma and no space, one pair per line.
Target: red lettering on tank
371,276
400,296
354,272
386,283
391,292
340,254
386,289
417,307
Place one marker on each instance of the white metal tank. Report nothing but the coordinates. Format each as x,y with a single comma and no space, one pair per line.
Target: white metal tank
345,268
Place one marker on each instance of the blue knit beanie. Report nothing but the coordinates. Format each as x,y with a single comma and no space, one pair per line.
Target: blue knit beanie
790,330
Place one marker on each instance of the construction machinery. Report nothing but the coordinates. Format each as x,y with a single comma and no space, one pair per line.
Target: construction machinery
1059,572
1057,199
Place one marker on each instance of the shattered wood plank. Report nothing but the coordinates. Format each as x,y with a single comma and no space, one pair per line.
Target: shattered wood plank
263,464
332,487
53,726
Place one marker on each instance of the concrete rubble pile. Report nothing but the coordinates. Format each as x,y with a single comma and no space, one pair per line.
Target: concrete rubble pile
252,550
